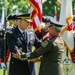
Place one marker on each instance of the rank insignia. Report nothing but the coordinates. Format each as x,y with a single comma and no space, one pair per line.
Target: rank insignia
45,43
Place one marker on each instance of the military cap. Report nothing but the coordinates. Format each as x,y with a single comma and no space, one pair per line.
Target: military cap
25,16
11,17
54,22
45,19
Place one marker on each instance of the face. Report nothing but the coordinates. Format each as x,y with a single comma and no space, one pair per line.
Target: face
46,27
51,31
7,24
23,24
15,23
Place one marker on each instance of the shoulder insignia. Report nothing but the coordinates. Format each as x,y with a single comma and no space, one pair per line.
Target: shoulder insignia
30,30
45,43
10,32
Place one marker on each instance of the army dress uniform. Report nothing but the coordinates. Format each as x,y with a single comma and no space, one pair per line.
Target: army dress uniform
15,40
51,52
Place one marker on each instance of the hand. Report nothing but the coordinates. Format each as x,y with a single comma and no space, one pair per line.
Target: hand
33,60
3,66
36,59
16,55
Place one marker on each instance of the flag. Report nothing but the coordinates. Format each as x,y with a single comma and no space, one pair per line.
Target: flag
36,16
2,18
36,13
55,14
58,2
66,18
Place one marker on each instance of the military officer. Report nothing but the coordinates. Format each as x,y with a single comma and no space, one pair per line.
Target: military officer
51,51
7,52
44,35
21,39
1,37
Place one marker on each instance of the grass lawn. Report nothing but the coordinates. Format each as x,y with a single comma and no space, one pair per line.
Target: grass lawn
1,72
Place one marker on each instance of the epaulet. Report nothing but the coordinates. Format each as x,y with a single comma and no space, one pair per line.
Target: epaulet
30,30
9,31
45,43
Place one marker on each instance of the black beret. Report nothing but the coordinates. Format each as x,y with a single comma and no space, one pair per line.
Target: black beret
45,19
25,16
11,17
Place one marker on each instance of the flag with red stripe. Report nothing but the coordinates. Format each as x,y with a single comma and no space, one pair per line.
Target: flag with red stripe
36,13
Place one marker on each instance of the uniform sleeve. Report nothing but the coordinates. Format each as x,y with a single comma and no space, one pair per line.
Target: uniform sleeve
11,42
45,48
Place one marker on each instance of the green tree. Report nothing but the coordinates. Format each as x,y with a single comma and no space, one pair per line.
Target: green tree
48,7
23,5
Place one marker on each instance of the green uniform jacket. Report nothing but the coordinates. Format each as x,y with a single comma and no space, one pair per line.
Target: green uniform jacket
51,52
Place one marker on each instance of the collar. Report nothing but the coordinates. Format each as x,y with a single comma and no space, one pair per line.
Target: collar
54,35
21,30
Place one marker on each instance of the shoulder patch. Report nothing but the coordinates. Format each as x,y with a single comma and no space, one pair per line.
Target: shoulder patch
45,43
10,32
30,30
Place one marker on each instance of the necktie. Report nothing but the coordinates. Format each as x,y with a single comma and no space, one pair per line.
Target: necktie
25,35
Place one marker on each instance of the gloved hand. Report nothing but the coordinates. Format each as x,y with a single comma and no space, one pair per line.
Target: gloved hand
3,66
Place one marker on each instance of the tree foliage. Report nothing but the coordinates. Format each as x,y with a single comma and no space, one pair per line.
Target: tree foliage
23,5
48,7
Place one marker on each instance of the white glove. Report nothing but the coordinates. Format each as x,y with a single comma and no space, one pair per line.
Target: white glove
3,66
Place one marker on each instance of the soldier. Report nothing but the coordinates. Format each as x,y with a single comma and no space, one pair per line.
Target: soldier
7,52
21,39
44,29
44,35
51,51
1,37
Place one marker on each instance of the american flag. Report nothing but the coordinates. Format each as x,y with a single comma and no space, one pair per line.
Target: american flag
36,13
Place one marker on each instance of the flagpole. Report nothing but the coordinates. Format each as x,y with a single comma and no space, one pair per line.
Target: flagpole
4,73
5,42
